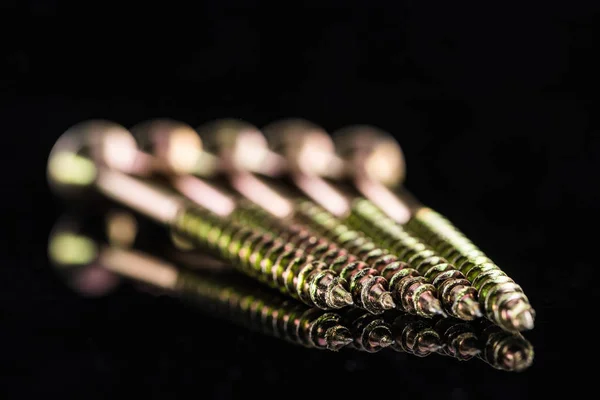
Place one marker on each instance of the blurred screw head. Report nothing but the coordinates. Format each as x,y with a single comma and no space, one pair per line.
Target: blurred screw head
372,152
307,147
240,146
176,144
72,164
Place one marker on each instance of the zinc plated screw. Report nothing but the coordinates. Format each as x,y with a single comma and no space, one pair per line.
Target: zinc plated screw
368,289
502,300
285,137
410,291
71,249
253,252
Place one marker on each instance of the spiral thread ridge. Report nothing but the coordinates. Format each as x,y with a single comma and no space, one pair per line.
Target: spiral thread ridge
500,297
258,254
369,290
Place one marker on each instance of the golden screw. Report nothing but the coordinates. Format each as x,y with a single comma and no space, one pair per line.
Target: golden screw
369,154
223,137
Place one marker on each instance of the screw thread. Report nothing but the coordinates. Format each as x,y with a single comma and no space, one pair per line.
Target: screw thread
414,335
502,300
268,314
455,291
268,259
411,291
369,290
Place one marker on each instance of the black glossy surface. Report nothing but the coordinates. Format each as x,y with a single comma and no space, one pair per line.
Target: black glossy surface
496,111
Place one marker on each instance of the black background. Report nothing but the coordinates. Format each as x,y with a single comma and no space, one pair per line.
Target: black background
495,108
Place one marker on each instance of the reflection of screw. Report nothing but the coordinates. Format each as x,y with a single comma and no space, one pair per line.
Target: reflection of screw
414,335
503,350
371,153
371,333
280,263
458,337
270,314
70,249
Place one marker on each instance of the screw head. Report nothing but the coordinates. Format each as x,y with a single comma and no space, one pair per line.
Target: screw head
372,152
240,146
307,147
176,144
72,163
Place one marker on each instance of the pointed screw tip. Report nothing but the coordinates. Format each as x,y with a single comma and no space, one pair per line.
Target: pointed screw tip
387,302
469,309
340,297
435,308
430,306
524,320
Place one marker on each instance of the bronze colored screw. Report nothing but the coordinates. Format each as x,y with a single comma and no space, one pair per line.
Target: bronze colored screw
501,298
413,294
455,291
252,251
368,289
70,249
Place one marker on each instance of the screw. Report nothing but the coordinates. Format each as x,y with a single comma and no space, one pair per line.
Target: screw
503,301
276,262
455,291
369,291
73,250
